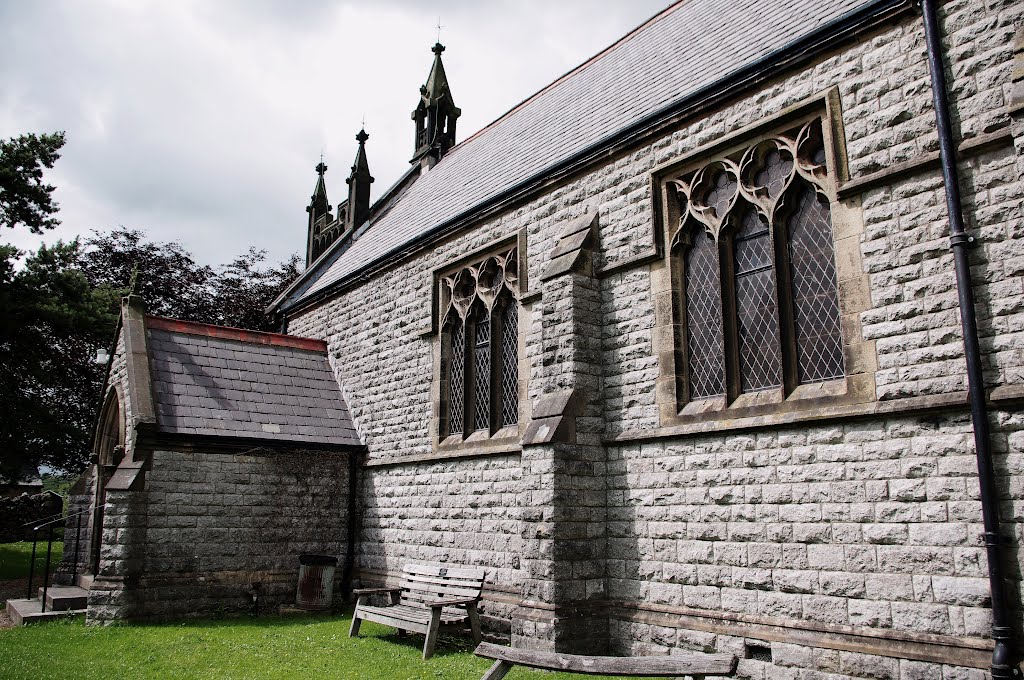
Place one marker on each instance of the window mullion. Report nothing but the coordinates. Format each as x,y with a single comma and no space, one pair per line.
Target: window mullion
784,305
497,333
469,397
730,329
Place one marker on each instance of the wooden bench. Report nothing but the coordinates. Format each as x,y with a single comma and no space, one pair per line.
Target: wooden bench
428,600
658,666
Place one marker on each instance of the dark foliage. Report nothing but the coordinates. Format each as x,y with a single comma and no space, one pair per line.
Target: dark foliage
173,285
52,324
165,275
24,199
59,308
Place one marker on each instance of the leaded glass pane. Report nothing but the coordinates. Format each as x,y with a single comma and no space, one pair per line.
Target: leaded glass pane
482,372
704,318
510,364
457,381
774,173
819,341
756,309
723,189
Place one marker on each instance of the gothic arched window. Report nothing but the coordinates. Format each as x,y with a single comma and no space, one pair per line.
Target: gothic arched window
753,246
480,347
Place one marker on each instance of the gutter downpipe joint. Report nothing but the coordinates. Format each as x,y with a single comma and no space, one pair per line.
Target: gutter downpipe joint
1005,658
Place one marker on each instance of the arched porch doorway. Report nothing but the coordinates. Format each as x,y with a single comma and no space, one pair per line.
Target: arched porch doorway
108,451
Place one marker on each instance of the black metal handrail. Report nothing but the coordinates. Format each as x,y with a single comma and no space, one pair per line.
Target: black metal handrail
48,524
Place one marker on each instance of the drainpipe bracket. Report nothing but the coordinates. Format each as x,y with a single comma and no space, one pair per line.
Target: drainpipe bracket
959,240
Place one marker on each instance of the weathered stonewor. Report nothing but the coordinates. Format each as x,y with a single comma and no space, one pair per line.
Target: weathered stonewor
563,498
207,530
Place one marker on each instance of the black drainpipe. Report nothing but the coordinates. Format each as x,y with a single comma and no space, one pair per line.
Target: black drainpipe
1004,658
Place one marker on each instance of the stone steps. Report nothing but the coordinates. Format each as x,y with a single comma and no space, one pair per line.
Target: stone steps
65,598
61,601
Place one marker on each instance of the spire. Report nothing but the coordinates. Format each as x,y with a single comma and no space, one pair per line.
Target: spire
359,185
319,210
437,81
318,204
435,113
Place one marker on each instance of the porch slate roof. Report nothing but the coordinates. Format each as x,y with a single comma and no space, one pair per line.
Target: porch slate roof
211,380
689,46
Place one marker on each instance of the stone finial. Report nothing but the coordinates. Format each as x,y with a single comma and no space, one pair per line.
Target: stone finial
359,182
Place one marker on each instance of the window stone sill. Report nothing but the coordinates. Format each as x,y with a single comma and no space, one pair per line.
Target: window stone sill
503,442
802,409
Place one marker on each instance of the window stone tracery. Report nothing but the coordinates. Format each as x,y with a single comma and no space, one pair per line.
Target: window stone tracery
753,239
479,319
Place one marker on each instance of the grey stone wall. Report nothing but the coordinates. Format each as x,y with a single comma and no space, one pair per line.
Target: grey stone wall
207,526
863,531
453,512
864,525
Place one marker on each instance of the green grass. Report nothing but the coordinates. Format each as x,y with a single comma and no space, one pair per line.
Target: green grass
14,559
308,647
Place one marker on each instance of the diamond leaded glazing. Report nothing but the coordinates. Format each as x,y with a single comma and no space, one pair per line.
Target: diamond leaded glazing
704,317
510,364
457,380
482,372
479,303
756,311
819,340
752,198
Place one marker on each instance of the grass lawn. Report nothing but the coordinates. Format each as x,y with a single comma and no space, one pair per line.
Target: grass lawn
308,647
14,559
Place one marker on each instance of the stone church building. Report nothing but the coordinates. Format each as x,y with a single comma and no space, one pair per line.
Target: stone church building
674,349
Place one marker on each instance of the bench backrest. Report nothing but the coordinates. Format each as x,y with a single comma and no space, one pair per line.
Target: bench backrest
421,583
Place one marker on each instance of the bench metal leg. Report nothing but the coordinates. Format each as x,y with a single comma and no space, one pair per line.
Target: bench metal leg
435,623
497,671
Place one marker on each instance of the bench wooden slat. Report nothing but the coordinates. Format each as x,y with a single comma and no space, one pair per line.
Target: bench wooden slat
439,594
414,614
434,583
663,666
453,572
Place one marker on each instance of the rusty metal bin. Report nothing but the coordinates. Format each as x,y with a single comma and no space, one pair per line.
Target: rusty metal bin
316,582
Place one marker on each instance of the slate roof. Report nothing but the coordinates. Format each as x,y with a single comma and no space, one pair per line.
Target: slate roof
689,46
211,380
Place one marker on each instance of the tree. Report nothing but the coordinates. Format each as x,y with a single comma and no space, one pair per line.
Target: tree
60,308
243,289
52,324
167,277
164,274
24,199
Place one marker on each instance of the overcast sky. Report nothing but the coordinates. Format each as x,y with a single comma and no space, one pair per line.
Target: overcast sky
201,121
